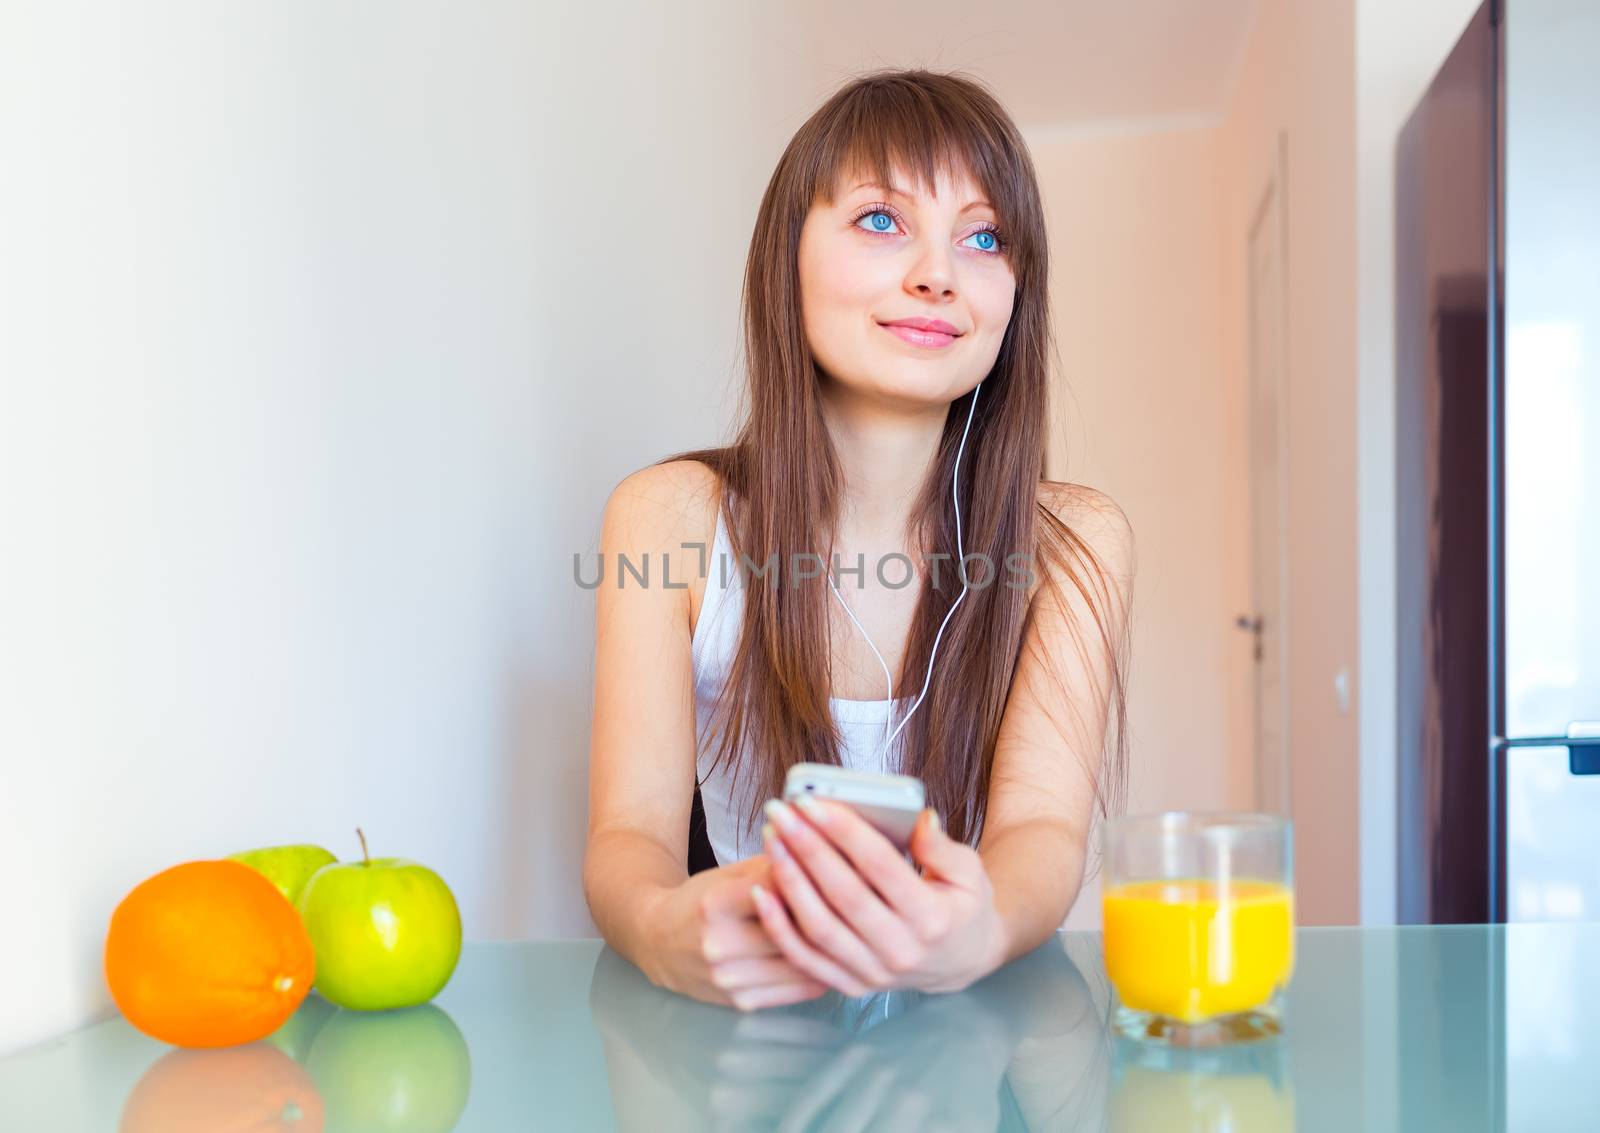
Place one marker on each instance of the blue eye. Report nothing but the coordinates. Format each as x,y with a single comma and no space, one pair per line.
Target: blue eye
987,240
879,220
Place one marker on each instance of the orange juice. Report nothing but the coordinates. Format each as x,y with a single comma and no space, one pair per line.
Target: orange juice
1174,949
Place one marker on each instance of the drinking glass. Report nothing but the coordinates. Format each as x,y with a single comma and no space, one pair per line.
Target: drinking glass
1199,924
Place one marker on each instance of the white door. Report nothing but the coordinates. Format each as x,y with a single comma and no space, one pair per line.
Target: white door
1268,519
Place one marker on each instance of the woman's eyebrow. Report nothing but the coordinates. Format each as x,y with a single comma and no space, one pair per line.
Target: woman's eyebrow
894,192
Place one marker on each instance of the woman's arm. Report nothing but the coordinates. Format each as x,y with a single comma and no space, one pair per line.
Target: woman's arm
1048,754
698,935
641,748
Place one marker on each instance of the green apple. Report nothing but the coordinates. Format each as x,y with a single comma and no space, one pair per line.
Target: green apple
298,1031
392,1072
387,932
287,867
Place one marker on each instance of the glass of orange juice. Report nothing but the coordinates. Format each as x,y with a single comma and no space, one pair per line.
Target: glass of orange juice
1199,924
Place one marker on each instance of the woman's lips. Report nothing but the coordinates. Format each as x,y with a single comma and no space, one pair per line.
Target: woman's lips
929,338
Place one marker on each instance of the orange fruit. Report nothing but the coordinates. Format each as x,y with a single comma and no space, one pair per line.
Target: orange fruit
207,954
244,1089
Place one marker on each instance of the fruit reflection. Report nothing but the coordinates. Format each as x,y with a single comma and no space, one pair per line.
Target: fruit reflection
255,1088
296,1035
404,1071
1245,1088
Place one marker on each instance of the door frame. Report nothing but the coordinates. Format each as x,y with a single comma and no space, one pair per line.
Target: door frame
1272,188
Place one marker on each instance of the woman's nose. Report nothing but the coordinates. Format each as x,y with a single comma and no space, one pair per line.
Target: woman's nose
932,276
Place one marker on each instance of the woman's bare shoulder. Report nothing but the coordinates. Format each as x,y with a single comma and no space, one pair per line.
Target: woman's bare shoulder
1095,518
662,506
1079,503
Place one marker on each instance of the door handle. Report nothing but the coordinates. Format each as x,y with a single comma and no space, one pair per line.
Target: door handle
1582,742
1255,625
1584,760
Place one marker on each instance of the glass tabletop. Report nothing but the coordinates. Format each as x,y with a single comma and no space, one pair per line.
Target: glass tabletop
1429,1028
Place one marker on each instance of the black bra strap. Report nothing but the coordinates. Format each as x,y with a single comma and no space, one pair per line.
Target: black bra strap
701,855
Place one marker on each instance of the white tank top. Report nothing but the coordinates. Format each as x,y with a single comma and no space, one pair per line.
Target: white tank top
716,636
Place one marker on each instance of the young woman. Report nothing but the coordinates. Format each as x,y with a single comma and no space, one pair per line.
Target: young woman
898,261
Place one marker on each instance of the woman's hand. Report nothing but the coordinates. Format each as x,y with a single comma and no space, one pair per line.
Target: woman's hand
849,911
709,945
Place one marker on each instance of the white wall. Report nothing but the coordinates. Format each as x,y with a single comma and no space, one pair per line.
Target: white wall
1153,306
1399,48
327,332
1149,414
1297,75
1138,221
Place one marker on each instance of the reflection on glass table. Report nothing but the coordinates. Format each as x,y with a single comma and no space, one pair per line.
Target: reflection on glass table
1465,1029
1026,1049
406,1071
1237,1088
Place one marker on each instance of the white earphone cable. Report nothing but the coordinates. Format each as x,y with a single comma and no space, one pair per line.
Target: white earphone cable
955,497
887,679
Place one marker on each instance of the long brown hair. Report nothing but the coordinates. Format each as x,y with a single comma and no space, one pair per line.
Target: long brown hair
782,480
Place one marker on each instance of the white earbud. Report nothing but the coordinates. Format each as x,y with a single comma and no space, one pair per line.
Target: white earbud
955,496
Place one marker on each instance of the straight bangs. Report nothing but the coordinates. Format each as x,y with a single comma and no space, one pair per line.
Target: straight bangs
886,124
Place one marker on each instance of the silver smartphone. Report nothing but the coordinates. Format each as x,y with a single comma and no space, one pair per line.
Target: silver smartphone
890,803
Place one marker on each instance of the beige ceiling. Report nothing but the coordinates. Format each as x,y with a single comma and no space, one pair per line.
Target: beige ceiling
1057,65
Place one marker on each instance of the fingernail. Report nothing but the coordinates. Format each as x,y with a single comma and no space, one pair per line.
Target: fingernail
758,894
933,820
813,809
773,843
781,814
